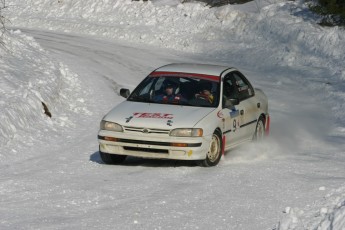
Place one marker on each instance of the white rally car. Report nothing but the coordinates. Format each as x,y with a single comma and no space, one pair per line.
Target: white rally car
185,112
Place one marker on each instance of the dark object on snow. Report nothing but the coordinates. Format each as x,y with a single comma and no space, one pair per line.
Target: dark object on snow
46,110
214,3
218,3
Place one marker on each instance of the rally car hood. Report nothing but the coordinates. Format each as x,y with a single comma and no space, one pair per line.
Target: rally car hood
159,116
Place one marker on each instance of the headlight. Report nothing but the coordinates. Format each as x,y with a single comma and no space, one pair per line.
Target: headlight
186,132
111,126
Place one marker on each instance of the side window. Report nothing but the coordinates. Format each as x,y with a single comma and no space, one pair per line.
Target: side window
244,88
229,89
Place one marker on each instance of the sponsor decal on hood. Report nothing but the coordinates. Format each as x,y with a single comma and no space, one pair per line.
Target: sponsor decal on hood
152,115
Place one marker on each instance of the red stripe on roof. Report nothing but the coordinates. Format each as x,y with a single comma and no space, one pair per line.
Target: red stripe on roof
180,74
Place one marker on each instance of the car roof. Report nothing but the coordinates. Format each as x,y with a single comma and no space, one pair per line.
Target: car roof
207,69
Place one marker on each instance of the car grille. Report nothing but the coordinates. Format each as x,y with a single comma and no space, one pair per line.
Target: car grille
146,130
148,150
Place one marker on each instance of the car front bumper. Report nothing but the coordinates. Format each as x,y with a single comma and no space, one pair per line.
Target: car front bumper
154,146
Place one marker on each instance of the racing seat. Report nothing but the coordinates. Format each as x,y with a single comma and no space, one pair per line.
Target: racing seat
187,90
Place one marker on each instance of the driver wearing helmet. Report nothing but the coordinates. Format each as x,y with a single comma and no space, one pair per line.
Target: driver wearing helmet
169,95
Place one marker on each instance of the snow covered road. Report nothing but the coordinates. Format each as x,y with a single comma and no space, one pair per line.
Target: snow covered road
61,182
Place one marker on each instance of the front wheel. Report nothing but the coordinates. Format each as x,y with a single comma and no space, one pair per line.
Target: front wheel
259,130
215,151
112,159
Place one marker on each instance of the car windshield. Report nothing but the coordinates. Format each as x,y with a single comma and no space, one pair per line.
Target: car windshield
178,88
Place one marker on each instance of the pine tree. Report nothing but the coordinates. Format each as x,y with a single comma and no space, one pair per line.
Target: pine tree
333,12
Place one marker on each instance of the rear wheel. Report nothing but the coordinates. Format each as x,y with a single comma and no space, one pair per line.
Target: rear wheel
215,151
112,159
260,130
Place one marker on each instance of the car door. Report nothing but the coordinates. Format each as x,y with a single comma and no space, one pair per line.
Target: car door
231,113
240,116
249,105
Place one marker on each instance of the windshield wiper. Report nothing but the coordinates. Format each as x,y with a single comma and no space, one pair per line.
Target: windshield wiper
139,99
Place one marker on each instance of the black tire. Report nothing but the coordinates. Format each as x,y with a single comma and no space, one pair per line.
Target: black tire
112,159
259,133
215,151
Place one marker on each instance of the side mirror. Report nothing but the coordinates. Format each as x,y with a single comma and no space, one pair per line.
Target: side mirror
125,92
231,102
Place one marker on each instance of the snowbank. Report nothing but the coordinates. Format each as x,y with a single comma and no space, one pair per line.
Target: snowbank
331,215
283,26
192,27
29,79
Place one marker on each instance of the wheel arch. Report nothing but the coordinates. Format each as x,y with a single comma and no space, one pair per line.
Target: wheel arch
219,130
263,116
267,121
